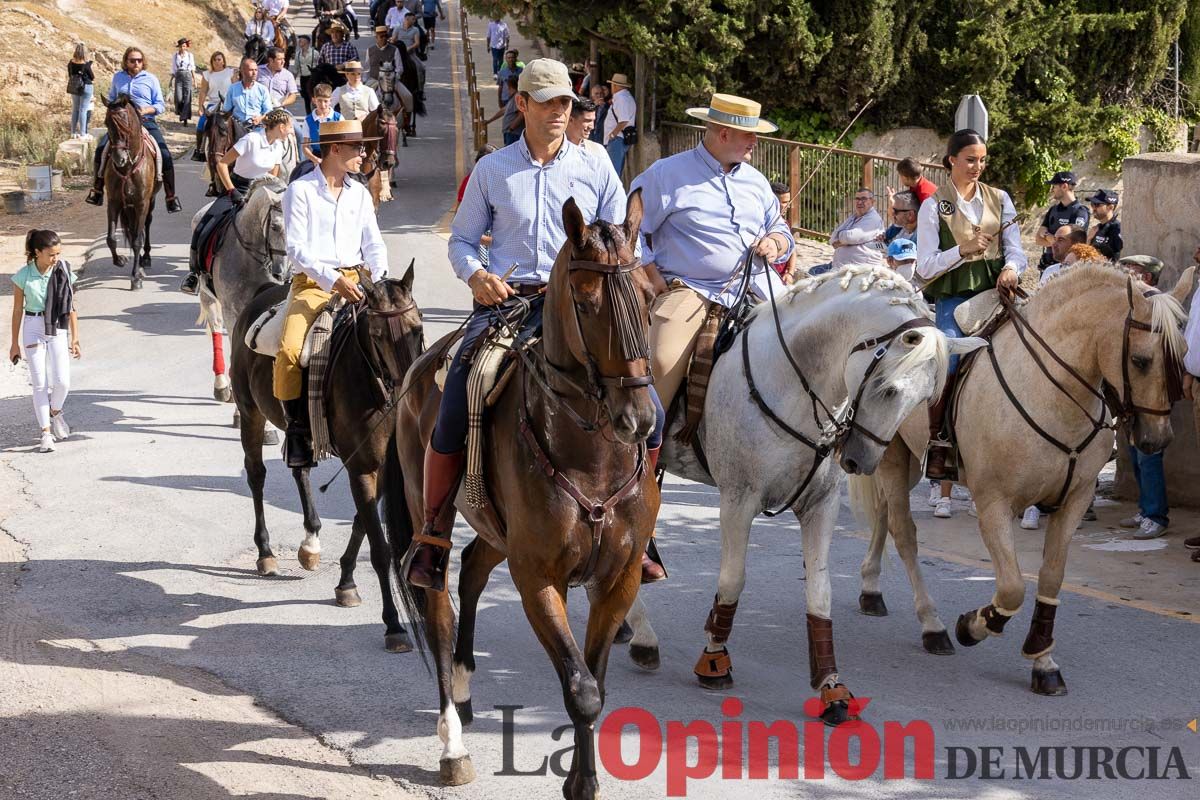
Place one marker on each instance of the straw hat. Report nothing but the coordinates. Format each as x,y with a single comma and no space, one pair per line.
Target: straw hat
346,131
382,29
620,79
338,25
734,112
350,66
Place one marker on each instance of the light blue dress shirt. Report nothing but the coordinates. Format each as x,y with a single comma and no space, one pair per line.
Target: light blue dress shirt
246,103
521,202
143,88
699,221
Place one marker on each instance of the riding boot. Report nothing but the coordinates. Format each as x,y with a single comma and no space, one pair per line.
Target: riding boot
173,204
653,570
429,555
940,446
96,195
297,440
198,153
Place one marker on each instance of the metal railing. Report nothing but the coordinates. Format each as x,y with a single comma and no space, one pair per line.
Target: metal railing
829,175
478,129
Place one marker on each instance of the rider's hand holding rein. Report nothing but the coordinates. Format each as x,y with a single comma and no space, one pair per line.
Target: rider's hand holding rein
771,248
347,289
489,289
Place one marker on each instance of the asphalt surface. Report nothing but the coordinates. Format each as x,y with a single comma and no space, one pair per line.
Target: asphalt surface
140,541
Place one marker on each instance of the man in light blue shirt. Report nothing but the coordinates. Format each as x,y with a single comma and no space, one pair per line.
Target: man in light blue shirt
516,193
704,209
146,93
248,99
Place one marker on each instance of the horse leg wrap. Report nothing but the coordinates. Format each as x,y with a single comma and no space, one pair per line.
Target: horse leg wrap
720,621
821,663
714,665
995,617
1040,640
218,353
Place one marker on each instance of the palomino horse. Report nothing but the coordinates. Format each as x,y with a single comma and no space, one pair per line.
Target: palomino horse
1034,426
385,339
130,181
253,252
581,517
380,158
863,353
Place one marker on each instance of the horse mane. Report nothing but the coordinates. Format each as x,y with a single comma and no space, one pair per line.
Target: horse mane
1167,316
273,182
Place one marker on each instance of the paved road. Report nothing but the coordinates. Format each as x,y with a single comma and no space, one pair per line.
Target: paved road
138,533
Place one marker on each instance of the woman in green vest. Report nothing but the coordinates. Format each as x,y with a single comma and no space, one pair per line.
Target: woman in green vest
961,252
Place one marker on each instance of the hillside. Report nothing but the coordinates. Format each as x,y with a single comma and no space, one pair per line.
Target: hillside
37,38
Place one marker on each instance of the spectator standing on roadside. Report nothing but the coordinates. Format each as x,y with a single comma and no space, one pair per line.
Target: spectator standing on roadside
622,110
1106,236
183,73
787,267
580,125
514,121
431,10
511,68
600,98
497,37
904,214
1067,210
81,86
303,61
912,176
43,316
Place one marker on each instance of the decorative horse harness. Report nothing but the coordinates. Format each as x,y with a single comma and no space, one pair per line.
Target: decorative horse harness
1114,408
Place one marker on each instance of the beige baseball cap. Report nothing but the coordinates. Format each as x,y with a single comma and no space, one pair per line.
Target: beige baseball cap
544,79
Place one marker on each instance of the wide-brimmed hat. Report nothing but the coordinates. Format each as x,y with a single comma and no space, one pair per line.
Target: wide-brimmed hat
382,29
620,79
338,25
351,66
734,112
544,79
182,42
345,131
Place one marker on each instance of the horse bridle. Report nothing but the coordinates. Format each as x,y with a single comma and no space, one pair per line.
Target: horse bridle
1114,408
268,251
837,427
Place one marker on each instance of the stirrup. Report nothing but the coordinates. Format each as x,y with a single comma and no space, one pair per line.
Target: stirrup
436,579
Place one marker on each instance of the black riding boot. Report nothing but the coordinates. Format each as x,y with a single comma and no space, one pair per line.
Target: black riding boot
173,204
96,195
198,153
429,554
297,439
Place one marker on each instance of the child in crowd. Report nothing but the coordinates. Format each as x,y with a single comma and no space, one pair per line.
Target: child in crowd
43,316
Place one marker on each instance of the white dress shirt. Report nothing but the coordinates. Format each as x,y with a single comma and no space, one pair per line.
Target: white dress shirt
858,235
1191,361
932,262
324,234
623,109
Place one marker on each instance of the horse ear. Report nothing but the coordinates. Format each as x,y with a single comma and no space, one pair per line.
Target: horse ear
364,281
633,216
1184,285
574,224
406,282
961,345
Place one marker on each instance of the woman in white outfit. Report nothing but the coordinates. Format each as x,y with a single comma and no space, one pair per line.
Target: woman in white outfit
260,26
214,85
43,316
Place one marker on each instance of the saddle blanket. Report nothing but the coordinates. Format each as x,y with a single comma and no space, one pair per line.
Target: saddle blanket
265,333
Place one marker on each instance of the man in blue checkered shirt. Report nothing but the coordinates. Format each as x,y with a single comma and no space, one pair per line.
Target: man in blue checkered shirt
338,51
516,193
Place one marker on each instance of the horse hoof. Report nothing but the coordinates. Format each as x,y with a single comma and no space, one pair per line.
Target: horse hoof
871,604
645,656
466,714
1049,683
718,683
624,634
237,418
223,395
456,771
962,630
347,598
397,642
135,284
309,559
271,438
118,261
268,566
937,642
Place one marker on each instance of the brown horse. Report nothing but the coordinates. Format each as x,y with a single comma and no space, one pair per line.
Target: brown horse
224,130
130,179
581,517
380,158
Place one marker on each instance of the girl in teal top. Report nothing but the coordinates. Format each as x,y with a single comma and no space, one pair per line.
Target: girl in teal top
43,317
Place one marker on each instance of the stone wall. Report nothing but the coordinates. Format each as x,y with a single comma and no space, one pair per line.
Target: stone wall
1161,217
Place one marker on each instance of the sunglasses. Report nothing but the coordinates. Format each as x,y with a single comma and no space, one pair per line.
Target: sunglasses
362,148
134,60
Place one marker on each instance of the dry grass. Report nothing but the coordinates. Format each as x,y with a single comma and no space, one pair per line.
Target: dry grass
31,138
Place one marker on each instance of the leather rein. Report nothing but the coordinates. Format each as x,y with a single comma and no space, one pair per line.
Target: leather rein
1114,408
268,251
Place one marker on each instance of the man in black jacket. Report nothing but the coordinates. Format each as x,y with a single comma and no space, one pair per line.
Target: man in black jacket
1067,210
1106,236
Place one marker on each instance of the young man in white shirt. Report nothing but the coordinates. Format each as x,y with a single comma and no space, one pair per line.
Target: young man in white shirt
583,119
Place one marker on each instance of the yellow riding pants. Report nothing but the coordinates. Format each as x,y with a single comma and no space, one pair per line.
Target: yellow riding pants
676,317
304,305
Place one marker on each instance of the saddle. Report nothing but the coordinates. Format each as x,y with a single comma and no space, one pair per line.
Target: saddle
147,141
213,228
266,332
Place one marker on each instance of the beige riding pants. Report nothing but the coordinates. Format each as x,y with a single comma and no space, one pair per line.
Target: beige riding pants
676,317
305,302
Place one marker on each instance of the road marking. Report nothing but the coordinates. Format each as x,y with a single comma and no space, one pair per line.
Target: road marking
443,226
1086,591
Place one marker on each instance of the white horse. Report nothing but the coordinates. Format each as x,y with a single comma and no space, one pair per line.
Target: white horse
862,341
1111,331
251,254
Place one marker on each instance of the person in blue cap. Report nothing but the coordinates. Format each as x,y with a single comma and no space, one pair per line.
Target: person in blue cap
902,256
1106,236
1067,210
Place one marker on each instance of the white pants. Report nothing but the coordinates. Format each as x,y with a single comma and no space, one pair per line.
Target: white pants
49,360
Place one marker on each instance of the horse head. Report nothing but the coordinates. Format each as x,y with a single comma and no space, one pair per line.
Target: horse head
393,322
256,48
124,126
264,201
596,319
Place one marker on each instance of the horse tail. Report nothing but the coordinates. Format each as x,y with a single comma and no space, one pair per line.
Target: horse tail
399,527
419,103
865,497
